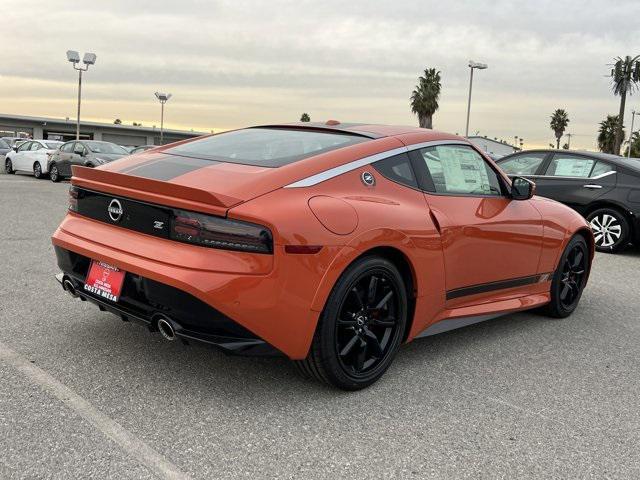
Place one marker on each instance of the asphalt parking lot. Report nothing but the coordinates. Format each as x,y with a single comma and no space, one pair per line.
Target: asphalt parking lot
84,395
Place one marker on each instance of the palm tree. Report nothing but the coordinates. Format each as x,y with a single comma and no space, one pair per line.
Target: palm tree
634,144
305,117
424,99
559,121
607,134
625,76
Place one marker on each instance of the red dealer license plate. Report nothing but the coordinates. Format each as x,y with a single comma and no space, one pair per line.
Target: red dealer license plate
104,280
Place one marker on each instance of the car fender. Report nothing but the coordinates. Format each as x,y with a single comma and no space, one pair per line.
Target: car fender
366,241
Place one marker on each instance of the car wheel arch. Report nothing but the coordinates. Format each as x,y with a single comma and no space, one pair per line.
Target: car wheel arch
614,206
397,252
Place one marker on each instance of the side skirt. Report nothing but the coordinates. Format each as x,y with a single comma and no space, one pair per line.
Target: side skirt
464,316
454,323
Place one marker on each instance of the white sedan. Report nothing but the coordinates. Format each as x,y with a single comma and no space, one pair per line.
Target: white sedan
31,156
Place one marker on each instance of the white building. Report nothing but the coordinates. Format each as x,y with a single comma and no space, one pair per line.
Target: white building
493,147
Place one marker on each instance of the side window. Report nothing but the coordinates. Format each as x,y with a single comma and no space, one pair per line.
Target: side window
397,169
35,146
601,168
78,148
522,163
67,147
24,147
566,165
459,170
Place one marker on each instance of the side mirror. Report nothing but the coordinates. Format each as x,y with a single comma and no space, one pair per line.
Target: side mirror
14,148
522,188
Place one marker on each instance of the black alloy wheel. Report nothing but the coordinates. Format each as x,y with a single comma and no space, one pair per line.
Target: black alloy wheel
610,229
54,174
8,167
361,327
569,279
37,170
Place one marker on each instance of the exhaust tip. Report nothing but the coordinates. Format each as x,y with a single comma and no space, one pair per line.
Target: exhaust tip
166,329
68,287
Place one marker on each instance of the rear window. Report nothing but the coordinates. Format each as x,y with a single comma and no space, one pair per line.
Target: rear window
52,145
265,147
106,148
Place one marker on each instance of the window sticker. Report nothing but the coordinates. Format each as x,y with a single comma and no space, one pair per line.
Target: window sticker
573,167
463,170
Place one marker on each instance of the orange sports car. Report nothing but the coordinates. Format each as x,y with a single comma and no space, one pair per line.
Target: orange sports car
329,243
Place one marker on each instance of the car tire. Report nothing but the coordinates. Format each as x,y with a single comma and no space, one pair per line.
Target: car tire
8,167
37,170
569,279
54,173
610,229
361,327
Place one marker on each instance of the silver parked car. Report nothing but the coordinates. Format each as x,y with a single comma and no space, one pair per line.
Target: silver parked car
89,153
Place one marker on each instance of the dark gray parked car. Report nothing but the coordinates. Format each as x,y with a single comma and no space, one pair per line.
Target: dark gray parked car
89,153
4,149
604,188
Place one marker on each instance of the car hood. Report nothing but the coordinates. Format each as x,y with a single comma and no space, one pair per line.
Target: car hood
207,185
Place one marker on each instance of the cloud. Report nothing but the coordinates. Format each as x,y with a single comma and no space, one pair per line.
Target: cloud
233,63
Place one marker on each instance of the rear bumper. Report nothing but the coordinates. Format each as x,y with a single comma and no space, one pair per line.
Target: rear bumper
223,340
272,301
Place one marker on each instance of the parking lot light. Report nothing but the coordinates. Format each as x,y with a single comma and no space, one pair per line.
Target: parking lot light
163,98
87,59
633,117
472,66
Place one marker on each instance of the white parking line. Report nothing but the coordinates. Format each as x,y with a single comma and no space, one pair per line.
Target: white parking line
131,444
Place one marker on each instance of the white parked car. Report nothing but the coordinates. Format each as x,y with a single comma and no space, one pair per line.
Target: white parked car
31,156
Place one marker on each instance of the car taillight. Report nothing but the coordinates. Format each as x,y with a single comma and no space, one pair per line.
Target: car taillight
217,232
73,199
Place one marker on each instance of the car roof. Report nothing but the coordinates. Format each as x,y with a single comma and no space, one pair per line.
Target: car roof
368,130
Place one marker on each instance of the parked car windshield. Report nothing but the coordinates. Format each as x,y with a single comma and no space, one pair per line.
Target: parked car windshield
265,147
4,144
105,147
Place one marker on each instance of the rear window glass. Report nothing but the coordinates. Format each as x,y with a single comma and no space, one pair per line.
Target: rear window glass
265,147
106,148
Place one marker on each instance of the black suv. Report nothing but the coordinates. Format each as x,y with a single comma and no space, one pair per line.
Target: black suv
604,188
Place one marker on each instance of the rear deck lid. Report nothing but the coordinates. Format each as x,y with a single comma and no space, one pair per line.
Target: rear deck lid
217,172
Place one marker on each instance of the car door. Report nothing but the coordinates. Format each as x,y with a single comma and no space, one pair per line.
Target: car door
19,160
63,157
575,180
490,242
32,155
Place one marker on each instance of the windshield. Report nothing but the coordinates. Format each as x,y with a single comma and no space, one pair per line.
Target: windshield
265,147
106,147
4,144
52,145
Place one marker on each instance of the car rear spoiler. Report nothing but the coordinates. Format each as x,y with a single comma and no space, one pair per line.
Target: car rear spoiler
152,191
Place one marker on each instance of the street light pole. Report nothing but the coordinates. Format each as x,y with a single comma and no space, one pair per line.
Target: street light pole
87,59
80,70
162,98
633,117
472,65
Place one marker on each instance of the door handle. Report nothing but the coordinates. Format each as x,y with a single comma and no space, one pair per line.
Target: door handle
592,186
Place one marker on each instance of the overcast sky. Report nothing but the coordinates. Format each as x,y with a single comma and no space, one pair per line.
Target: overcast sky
236,63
